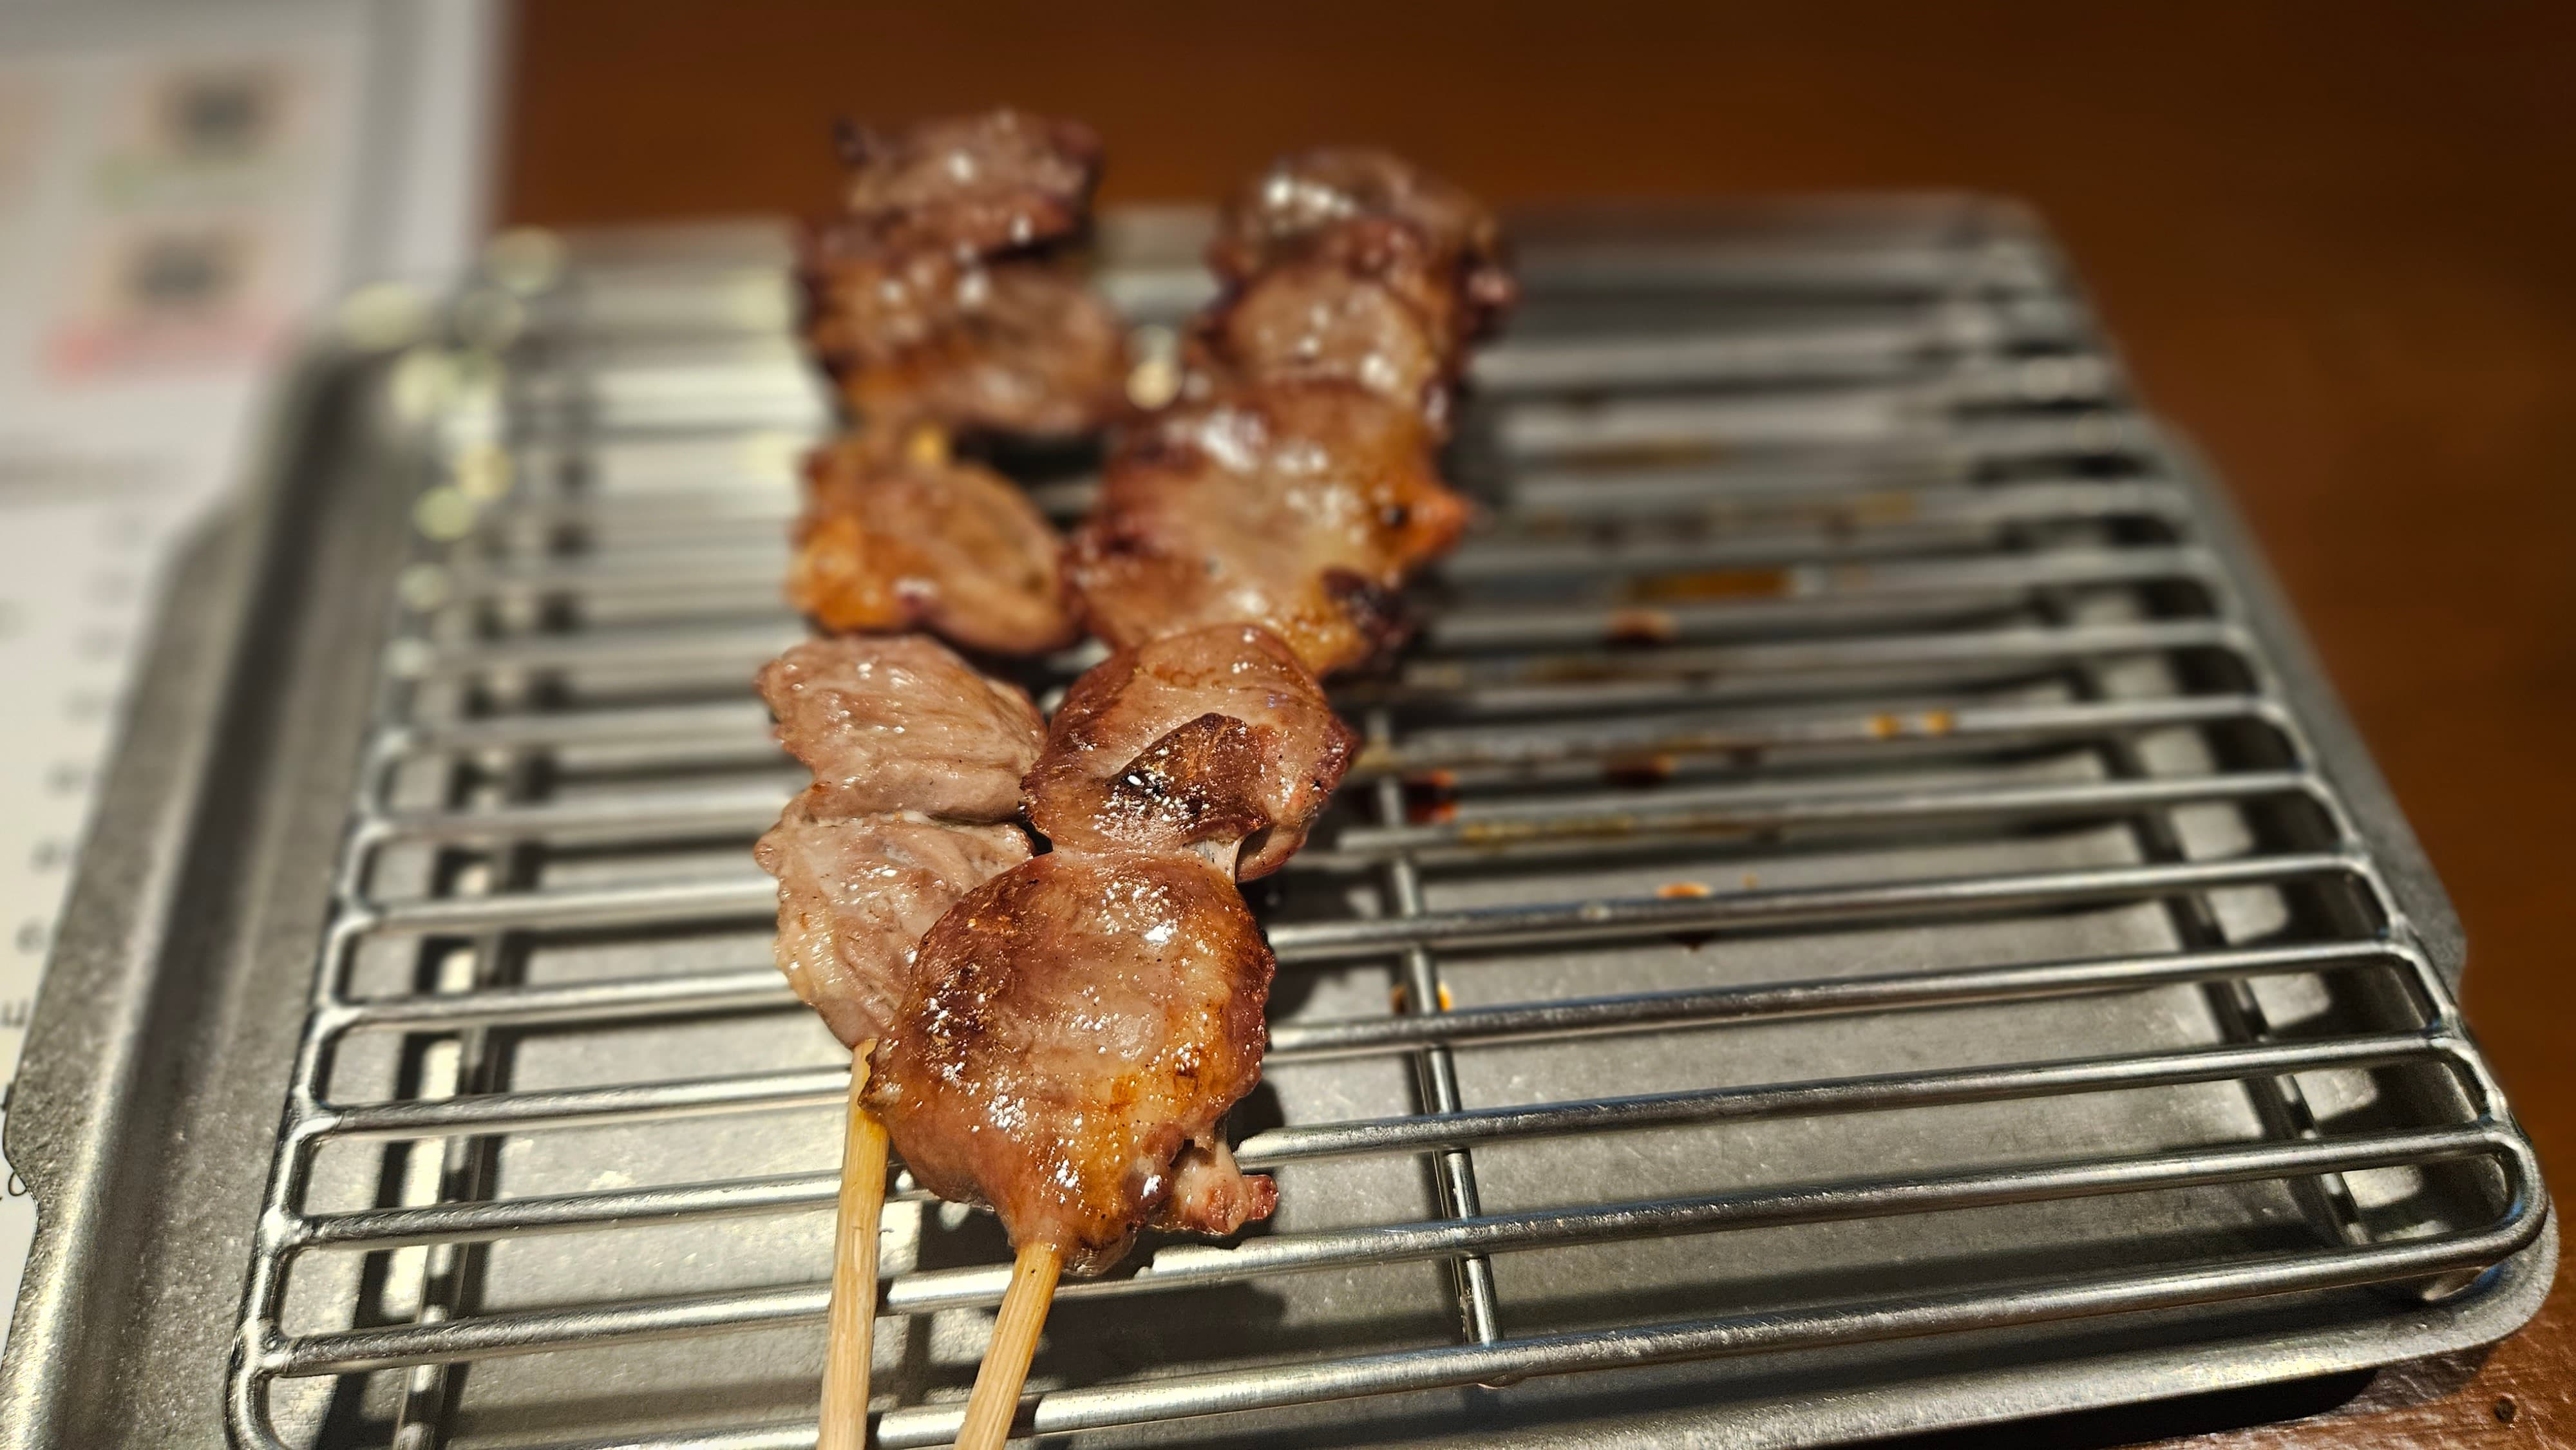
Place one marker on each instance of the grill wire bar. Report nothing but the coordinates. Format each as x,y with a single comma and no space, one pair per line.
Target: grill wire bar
1422,994
1836,820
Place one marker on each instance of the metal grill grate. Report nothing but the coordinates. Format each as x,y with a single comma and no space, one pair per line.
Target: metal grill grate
1835,893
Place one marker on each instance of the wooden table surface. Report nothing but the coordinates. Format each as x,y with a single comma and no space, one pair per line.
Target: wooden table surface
2336,244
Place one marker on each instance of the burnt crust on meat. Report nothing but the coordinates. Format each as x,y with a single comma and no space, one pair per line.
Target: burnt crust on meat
1193,785
1215,736
1378,614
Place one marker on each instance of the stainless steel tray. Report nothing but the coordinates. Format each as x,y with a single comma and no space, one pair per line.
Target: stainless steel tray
1858,915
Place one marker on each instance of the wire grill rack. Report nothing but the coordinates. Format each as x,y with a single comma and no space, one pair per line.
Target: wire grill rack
1835,897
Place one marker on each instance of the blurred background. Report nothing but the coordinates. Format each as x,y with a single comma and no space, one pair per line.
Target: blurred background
2333,240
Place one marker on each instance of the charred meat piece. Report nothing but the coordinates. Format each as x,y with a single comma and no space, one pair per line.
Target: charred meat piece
1363,304
1206,740
1298,507
1080,1027
1282,210
900,723
1022,348
855,896
892,540
974,184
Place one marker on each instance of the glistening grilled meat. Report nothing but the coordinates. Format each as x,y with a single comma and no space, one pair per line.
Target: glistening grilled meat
1283,209
973,184
909,336
899,723
894,540
1080,1026
855,896
1295,506
1363,302
1198,741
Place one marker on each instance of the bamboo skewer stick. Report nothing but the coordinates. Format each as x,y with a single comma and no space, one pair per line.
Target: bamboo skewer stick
995,1402
852,1317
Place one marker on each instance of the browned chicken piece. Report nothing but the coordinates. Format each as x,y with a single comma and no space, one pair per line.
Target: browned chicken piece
1213,740
1299,507
1080,1027
893,540
1364,304
855,896
974,184
1281,210
900,723
1020,347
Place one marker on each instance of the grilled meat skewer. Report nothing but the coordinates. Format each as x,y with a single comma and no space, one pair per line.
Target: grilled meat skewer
1363,301
996,181
893,540
928,299
1214,741
1082,1025
1064,1041
855,896
1299,507
892,723
1017,346
1283,209
916,760
927,305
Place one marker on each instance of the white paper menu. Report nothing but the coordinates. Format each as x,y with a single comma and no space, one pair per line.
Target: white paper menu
184,187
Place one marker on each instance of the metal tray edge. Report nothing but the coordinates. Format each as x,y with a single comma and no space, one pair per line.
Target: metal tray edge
105,1059
2329,726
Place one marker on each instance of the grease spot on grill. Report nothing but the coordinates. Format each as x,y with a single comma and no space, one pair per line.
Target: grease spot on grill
1401,998
1428,799
1642,626
1881,508
1637,770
